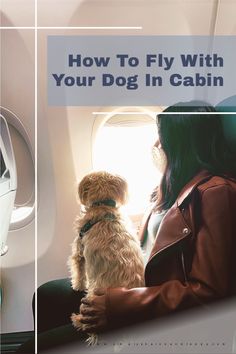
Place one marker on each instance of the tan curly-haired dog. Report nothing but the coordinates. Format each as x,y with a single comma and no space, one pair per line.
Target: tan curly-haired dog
106,252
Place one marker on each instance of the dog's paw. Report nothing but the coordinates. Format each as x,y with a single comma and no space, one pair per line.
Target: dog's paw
75,318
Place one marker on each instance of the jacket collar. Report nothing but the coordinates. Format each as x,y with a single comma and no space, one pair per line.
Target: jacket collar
185,192
177,228
190,186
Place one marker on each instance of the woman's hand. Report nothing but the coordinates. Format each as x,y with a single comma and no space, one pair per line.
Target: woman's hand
93,312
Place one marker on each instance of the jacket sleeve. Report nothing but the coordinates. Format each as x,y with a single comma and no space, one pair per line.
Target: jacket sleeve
208,279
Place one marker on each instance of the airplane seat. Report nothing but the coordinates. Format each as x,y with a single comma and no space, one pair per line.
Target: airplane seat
229,120
8,183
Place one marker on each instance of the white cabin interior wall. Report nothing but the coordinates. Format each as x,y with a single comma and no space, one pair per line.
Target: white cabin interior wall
17,95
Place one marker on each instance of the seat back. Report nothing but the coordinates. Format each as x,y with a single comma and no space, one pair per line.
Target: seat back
229,120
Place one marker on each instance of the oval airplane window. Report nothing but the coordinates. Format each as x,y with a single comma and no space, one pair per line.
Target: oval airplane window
123,145
23,211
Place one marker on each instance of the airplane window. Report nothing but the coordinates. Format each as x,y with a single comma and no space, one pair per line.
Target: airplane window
20,214
123,145
23,211
24,202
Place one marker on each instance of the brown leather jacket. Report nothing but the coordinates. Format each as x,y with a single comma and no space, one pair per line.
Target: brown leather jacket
193,261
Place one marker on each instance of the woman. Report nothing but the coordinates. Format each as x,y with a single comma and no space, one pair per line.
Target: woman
192,260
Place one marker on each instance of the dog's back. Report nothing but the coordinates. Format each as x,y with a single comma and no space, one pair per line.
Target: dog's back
113,256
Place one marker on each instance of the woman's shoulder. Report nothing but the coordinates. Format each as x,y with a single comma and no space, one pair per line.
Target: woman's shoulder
218,182
206,181
218,195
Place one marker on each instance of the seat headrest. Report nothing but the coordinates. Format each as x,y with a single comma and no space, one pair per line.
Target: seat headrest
229,120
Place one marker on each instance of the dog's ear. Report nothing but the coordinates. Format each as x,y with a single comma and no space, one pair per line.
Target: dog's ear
119,189
83,189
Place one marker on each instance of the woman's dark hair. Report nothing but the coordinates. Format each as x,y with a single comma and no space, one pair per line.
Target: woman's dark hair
192,142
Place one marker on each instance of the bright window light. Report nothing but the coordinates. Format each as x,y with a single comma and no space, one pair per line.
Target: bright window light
22,213
126,150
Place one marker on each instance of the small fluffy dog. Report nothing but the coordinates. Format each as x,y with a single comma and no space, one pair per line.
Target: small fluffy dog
106,253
